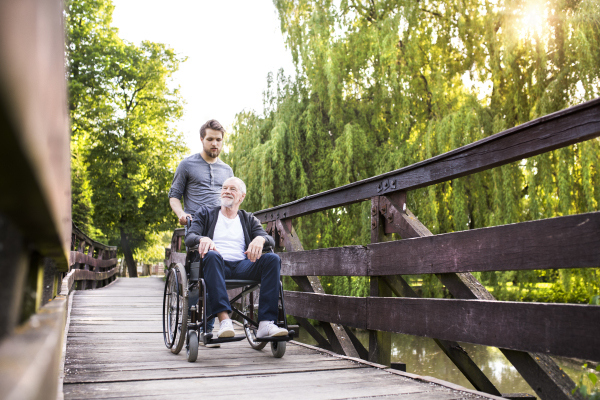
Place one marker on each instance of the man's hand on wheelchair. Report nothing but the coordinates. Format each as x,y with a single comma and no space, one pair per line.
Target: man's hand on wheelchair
255,248
183,219
205,245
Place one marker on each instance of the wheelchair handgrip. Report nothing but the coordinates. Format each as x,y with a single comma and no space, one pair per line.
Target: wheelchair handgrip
188,222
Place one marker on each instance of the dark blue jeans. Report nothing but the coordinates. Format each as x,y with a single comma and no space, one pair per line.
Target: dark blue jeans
194,299
266,270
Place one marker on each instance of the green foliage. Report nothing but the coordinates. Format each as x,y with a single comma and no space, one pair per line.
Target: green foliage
384,84
123,106
587,387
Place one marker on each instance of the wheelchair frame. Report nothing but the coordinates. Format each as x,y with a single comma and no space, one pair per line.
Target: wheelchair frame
181,281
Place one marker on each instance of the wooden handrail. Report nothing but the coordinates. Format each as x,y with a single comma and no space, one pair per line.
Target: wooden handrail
92,272
568,330
550,132
525,332
562,242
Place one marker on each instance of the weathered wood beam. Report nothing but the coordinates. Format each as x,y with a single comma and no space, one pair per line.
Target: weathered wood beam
344,310
558,329
562,242
559,129
34,125
13,269
539,370
30,358
82,274
77,257
312,331
348,261
338,340
452,349
380,342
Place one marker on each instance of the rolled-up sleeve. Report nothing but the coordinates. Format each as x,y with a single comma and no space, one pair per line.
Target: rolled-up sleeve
179,182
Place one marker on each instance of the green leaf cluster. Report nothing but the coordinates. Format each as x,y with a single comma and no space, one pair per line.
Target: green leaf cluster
587,386
123,106
383,84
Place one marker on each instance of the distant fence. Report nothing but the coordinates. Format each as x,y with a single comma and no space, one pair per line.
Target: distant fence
92,264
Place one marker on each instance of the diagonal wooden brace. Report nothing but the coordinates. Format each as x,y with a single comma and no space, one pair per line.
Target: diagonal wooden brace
544,376
452,349
339,340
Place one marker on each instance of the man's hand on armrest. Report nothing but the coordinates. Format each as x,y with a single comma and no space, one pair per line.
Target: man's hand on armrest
255,248
205,245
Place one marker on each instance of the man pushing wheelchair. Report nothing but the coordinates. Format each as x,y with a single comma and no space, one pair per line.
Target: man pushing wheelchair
230,243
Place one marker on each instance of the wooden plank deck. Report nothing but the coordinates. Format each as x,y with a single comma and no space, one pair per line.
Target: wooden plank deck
115,350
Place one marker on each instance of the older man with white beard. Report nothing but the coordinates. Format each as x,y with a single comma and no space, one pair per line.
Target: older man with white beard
230,242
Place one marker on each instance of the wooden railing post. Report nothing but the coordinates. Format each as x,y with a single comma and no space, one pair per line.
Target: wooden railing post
380,343
539,370
341,339
13,264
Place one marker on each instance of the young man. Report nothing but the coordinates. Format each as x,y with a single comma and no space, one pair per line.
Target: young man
199,178
230,242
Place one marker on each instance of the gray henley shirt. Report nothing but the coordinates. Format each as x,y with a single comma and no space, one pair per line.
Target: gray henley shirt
199,183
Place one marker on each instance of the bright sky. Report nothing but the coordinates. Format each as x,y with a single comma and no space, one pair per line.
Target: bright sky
231,46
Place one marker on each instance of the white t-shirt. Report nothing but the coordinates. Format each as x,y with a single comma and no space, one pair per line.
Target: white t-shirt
229,238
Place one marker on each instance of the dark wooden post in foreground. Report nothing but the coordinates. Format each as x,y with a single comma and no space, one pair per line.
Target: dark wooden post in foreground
380,343
35,199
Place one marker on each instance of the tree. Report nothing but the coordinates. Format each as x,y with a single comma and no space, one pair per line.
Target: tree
384,84
123,110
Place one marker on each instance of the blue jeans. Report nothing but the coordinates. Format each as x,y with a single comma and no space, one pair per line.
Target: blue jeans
211,321
266,270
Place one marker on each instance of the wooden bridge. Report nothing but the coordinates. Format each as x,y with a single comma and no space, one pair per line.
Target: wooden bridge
127,359
58,284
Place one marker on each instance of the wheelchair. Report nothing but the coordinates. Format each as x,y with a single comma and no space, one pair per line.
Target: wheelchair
185,311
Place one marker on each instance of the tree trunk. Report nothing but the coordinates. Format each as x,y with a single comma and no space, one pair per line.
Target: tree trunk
129,261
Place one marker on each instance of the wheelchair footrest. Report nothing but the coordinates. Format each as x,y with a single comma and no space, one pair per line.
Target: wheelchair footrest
287,338
226,340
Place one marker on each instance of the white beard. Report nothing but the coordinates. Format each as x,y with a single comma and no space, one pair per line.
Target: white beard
225,202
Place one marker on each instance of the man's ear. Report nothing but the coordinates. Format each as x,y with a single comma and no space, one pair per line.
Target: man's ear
243,197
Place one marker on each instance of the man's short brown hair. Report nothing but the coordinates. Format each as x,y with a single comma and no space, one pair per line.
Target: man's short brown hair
214,125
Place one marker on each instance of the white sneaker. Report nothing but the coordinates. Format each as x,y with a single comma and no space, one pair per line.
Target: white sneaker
268,328
226,329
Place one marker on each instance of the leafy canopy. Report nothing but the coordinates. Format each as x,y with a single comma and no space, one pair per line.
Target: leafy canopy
384,84
123,107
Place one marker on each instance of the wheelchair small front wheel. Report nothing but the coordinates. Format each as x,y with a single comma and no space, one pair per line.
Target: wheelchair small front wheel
251,336
192,347
278,349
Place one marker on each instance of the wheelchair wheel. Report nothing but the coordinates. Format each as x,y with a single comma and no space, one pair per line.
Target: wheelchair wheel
175,309
251,310
278,349
192,347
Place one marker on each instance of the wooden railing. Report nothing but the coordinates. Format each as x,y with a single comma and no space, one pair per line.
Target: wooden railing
92,264
35,199
527,333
